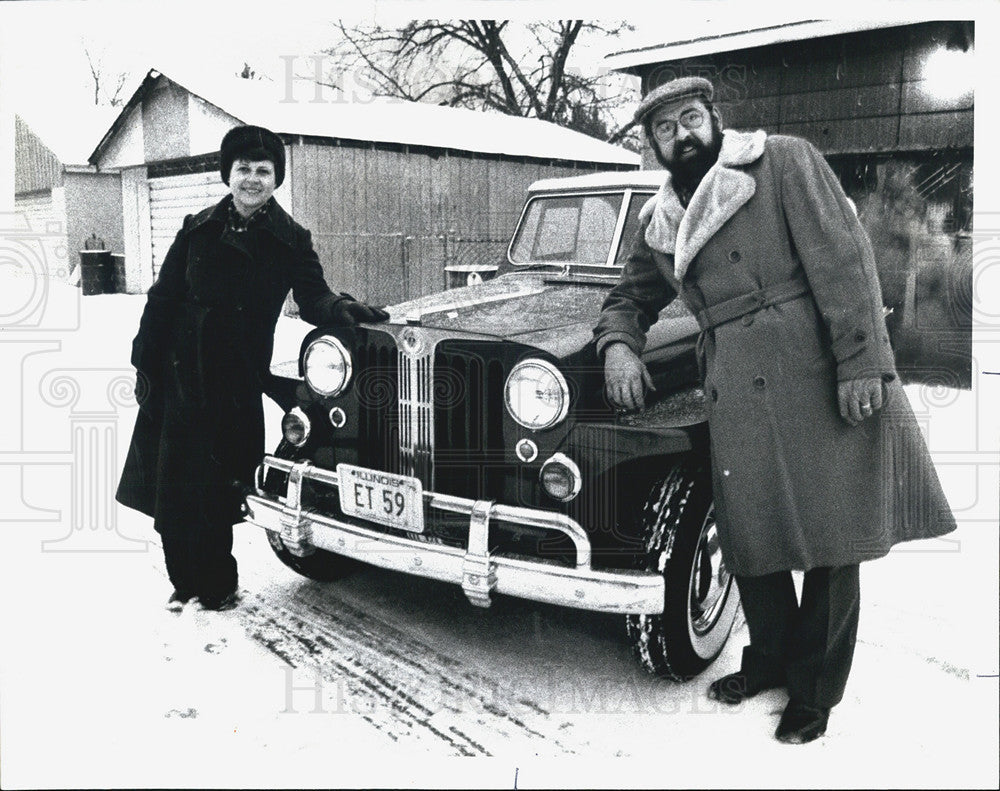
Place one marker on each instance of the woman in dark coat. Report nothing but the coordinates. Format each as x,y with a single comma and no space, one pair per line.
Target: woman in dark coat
203,353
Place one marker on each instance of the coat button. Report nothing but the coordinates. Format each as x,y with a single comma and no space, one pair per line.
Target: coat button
759,382
860,337
715,394
747,320
734,256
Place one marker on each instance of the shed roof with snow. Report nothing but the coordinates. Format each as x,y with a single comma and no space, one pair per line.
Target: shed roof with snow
716,36
386,121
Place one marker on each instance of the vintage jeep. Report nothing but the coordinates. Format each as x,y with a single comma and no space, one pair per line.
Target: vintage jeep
469,440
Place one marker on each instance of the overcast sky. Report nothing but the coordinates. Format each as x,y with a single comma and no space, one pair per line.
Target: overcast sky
43,40
44,73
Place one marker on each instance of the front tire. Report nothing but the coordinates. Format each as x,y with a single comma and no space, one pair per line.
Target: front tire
681,541
321,566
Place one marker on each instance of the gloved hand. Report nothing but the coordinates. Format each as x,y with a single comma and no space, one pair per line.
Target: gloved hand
348,312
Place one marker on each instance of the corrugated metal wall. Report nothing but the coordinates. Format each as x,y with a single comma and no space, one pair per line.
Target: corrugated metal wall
36,167
900,138
386,221
852,93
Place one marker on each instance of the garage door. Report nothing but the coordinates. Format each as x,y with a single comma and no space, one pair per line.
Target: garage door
171,198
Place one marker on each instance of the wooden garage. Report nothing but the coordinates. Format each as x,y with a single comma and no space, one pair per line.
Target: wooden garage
393,192
891,105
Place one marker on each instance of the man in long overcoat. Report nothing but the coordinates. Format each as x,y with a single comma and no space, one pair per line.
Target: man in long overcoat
817,460
203,354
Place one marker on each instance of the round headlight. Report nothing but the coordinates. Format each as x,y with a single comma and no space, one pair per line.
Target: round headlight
327,366
536,394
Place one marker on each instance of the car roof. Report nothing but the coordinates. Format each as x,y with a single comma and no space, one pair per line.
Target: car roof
604,180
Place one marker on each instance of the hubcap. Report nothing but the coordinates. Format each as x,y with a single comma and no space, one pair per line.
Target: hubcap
710,580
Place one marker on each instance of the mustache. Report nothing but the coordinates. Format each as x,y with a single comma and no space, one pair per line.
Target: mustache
690,145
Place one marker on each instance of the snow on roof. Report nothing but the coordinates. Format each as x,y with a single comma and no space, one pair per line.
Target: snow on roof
619,179
274,106
69,134
718,37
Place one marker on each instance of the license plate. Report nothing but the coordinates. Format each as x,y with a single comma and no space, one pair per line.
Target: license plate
392,500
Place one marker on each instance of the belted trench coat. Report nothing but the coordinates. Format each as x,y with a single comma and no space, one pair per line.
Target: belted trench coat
203,353
795,486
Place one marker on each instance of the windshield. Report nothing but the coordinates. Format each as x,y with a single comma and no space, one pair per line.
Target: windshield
567,229
631,225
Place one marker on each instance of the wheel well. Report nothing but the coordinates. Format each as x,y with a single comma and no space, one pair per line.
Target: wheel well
620,494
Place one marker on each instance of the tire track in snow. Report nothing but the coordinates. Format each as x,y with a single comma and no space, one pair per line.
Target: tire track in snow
400,685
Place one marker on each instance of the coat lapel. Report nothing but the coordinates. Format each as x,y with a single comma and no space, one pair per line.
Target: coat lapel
722,192
719,196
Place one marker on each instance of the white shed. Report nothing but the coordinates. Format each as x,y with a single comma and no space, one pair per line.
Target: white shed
392,191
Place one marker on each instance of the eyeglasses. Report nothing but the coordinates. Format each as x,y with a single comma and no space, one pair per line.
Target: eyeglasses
666,130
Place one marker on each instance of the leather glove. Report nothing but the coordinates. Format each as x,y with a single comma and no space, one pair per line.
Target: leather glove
348,312
859,398
625,377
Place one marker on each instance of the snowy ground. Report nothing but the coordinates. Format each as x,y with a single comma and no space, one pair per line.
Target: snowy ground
383,679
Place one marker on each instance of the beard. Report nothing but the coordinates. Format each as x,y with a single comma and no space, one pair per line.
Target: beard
688,171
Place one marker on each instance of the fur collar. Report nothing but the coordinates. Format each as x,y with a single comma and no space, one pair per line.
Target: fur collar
721,193
277,222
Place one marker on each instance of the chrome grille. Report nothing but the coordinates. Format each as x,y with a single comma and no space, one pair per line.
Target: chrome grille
469,449
444,422
378,402
416,415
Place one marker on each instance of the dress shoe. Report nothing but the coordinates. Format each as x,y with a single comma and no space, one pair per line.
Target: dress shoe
734,688
758,672
801,723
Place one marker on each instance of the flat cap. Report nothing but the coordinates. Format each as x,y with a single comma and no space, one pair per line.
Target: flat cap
675,90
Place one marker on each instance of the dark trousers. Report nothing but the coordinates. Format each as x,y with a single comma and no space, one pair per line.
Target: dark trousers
201,563
812,642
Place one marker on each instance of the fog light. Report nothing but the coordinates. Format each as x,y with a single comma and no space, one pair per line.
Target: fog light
561,477
295,427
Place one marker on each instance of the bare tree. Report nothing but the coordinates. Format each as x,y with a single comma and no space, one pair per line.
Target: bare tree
491,65
107,87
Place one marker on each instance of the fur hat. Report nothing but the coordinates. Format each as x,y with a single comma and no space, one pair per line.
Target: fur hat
681,88
242,140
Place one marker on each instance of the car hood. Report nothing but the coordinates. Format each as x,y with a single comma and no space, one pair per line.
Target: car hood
554,313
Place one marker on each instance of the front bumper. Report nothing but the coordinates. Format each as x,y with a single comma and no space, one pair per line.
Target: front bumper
479,572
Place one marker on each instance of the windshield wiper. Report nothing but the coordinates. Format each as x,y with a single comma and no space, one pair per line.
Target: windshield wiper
540,265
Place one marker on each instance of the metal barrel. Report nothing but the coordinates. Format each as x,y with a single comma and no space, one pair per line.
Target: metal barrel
95,271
